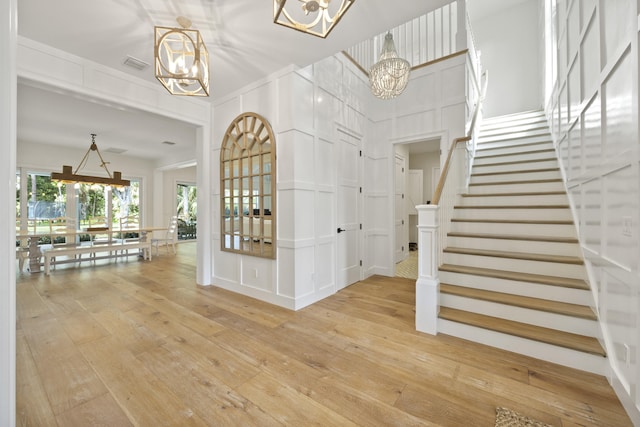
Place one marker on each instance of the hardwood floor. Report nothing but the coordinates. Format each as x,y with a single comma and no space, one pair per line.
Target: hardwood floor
138,343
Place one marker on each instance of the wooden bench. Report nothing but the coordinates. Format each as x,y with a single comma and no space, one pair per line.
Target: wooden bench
113,248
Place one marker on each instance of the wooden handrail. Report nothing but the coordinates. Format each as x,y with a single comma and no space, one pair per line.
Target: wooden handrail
445,171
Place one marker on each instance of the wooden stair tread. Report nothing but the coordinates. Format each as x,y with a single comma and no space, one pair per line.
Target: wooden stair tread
514,162
565,282
546,150
515,172
514,221
553,239
516,255
557,307
523,193
546,335
526,181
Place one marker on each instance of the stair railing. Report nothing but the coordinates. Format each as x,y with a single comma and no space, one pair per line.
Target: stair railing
434,219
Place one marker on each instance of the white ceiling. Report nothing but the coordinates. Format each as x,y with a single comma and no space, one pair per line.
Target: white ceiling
243,42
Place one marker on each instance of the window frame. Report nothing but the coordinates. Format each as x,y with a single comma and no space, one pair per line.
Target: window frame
248,187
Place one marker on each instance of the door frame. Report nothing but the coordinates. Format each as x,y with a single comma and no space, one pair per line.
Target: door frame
441,135
360,203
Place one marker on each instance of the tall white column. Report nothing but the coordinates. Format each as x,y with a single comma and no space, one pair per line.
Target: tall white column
8,106
428,284
204,264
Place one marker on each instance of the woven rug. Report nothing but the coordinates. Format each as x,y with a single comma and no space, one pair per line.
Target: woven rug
508,418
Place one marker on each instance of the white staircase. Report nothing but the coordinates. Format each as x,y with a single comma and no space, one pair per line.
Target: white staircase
512,275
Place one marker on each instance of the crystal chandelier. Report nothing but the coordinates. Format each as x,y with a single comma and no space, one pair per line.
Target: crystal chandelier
316,17
390,75
181,60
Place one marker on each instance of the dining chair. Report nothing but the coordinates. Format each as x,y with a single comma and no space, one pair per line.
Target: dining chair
170,236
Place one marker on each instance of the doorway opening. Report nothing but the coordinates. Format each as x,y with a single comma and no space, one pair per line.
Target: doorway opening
415,185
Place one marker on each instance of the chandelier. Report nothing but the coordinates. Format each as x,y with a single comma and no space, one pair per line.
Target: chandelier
316,17
181,60
390,75
69,176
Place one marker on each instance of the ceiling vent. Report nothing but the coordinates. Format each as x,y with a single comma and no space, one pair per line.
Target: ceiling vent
115,150
136,63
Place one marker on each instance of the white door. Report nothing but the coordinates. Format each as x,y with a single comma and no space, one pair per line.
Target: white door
415,196
400,209
349,202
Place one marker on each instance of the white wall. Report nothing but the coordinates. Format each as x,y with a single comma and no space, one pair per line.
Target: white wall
510,45
594,117
305,108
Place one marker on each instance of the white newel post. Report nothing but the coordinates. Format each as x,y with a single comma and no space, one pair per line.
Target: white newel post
428,284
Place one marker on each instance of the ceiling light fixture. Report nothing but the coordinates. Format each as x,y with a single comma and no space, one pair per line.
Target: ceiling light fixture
389,76
316,17
181,60
69,176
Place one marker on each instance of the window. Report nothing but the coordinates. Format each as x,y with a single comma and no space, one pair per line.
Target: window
41,201
126,201
38,201
186,210
247,171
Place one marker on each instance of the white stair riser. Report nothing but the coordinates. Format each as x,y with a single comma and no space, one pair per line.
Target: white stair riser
520,176
511,139
516,214
543,319
514,118
527,289
509,167
562,356
514,187
513,148
517,131
544,268
533,128
556,230
514,157
535,199
524,246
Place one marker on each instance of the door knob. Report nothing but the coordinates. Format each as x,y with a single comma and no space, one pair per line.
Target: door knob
340,230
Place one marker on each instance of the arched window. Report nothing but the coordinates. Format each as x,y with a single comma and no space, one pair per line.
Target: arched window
247,183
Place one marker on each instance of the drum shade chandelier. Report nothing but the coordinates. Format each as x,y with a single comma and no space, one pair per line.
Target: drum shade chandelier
181,59
69,176
316,17
389,76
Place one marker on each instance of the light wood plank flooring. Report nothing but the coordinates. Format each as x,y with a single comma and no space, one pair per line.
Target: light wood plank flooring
138,343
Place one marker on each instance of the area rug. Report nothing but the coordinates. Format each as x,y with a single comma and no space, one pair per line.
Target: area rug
508,418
